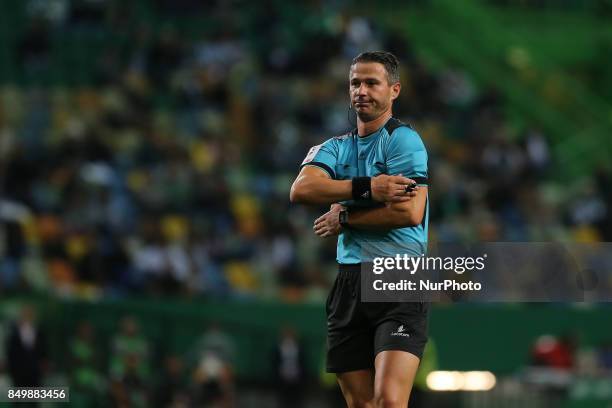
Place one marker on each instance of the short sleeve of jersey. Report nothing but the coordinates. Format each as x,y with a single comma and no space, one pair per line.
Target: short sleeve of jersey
323,156
406,155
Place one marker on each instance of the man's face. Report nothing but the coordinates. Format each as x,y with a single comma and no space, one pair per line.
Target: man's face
370,91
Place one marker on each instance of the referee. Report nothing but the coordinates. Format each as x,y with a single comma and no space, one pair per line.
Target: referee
375,179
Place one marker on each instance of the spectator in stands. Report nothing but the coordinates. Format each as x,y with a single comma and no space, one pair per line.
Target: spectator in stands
130,387
554,352
85,361
130,351
216,341
13,250
26,350
172,390
290,373
213,382
213,376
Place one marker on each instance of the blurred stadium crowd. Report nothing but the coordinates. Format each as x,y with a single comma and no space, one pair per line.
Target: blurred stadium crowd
169,172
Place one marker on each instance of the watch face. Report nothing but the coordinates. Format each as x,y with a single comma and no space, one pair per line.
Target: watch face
343,217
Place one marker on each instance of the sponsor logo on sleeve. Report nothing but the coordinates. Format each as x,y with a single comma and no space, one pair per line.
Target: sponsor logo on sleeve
312,153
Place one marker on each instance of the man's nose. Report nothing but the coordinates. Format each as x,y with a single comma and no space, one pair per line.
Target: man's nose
361,90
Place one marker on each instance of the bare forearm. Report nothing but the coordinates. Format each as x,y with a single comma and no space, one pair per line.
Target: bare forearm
314,186
320,190
387,217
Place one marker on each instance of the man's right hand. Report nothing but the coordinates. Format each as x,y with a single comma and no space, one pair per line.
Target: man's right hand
387,188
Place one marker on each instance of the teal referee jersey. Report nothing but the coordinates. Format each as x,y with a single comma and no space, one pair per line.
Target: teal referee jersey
393,149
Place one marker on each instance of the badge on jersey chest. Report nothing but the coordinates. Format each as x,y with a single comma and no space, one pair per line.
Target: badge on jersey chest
312,153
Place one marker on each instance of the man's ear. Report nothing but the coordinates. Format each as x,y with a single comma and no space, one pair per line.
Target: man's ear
395,90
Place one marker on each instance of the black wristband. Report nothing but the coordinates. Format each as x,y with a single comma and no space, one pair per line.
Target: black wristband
362,188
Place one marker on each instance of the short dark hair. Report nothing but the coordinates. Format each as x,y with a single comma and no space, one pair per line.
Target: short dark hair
388,60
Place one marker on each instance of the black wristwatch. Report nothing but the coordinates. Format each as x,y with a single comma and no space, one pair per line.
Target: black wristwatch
343,216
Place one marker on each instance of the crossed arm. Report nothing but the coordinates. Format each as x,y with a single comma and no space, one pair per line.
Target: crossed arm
401,209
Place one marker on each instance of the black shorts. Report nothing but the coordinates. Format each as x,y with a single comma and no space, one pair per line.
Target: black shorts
357,331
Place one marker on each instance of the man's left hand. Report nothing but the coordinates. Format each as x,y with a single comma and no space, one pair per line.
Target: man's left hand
328,224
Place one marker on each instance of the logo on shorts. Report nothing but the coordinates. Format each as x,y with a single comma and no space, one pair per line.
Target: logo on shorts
400,332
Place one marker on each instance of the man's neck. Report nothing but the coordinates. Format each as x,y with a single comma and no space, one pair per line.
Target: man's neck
365,128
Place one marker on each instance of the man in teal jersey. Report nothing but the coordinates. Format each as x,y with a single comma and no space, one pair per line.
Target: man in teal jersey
375,179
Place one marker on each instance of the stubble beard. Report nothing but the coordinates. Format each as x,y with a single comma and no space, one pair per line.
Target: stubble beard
370,116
